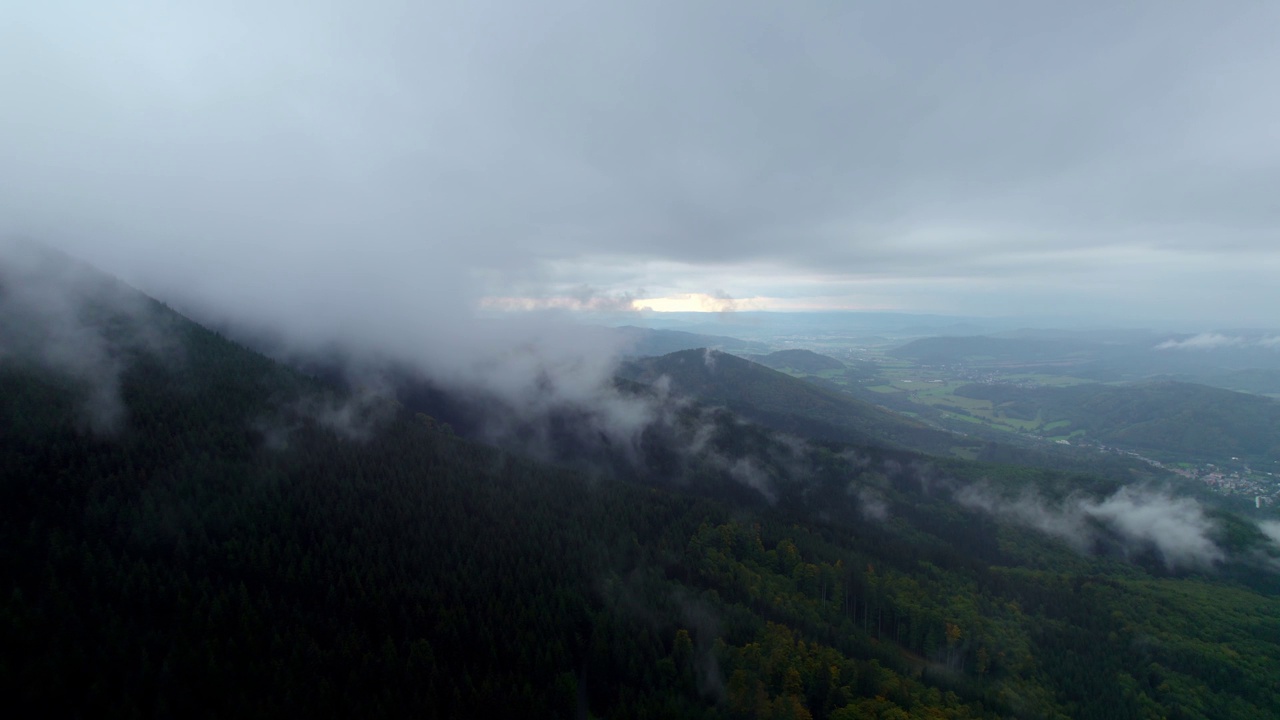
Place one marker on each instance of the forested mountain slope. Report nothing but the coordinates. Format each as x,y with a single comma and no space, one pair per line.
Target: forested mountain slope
643,342
1172,419
786,403
802,360
815,409
235,539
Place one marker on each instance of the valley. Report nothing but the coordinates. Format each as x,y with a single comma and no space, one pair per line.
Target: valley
1058,401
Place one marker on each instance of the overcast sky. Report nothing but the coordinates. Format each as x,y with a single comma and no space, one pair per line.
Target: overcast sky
318,163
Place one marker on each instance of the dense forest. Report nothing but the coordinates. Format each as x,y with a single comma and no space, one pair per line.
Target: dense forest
239,539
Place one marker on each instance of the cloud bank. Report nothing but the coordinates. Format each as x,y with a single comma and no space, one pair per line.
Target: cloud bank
373,170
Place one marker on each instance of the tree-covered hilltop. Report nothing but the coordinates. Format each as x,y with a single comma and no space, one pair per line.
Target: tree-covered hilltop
816,409
788,404
800,360
242,540
1174,420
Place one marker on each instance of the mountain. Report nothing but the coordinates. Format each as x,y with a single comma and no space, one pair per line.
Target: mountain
1174,420
785,403
806,361
814,408
188,528
645,342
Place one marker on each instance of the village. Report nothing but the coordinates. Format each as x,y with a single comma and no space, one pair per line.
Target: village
1242,480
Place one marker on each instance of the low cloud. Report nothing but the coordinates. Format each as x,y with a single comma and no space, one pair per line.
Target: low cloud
871,504
356,416
1214,341
1271,528
1176,528
584,298
749,473
83,326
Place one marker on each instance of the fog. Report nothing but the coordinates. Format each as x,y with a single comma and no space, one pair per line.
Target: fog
1177,528
53,314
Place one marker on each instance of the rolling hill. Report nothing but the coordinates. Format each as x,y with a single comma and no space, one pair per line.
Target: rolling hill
1170,419
646,342
806,361
785,403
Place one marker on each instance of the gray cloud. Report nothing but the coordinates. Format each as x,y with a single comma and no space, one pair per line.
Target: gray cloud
64,316
871,504
1177,528
1214,341
355,417
749,473
1271,529
316,160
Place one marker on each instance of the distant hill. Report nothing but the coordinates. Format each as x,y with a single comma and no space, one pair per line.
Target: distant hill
1259,381
813,407
646,342
993,350
787,403
862,324
1174,419
806,361
1103,356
